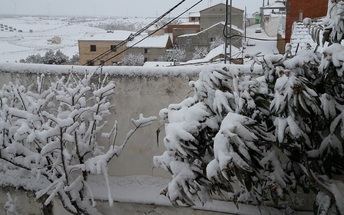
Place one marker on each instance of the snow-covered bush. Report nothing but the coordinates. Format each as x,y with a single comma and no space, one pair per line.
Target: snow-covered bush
216,42
55,40
176,54
50,131
133,60
259,138
200,52
51,57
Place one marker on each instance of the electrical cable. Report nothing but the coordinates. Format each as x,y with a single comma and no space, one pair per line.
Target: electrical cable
169,22
132,36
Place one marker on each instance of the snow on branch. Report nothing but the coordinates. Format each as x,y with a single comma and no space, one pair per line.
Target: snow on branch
52,133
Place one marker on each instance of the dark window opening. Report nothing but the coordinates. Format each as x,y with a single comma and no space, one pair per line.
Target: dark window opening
93,48
145,60
113,48
102,62
146,51
212,39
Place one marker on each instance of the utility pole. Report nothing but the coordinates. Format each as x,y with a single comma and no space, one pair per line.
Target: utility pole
230,33
226,32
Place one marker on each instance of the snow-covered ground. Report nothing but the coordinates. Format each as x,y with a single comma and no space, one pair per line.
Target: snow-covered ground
16,45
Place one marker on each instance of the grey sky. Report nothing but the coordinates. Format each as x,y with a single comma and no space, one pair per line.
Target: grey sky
141,8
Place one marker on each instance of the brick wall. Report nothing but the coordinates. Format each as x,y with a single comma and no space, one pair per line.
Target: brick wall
309,8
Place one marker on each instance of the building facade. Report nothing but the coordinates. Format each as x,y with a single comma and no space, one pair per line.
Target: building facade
89,50
176,30
102,49
217,13
205,39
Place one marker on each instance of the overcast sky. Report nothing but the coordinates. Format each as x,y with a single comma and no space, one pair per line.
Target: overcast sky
140,8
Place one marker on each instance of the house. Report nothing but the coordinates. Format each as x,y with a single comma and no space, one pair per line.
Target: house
176,30
297,10
153,48
90,47
207,38
194,17
217,13
97,49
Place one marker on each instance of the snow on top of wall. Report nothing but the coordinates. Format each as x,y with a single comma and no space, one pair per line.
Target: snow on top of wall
159,41
301,38
157,63
146,190
112,70
117,35
129,71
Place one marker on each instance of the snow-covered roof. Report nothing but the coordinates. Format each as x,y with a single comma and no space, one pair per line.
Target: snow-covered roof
159,41
220,23
216,52
117,35
194,14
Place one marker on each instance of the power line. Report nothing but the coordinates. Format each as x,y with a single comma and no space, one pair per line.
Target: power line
169,22
132,36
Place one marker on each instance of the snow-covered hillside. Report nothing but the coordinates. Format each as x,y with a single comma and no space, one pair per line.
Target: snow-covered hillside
23,36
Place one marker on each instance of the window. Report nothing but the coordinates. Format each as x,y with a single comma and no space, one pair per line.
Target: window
212,39
193,19
90,63
146,51
113,48
102,62
145,60
93,48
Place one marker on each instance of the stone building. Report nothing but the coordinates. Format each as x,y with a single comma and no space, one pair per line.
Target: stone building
93,46
152,49
176,30
205,39
217,13
97,49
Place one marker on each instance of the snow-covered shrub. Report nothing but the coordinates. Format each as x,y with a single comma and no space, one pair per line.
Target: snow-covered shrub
74,60
33,59
55,40
334,22
200,52
50,132
216,42
259,138
51,57
133,60
176,54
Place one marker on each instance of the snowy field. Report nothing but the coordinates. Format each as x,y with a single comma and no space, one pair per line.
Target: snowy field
21,36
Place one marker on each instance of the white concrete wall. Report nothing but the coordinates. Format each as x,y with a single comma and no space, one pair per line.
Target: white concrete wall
26,204
134,94
272,24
